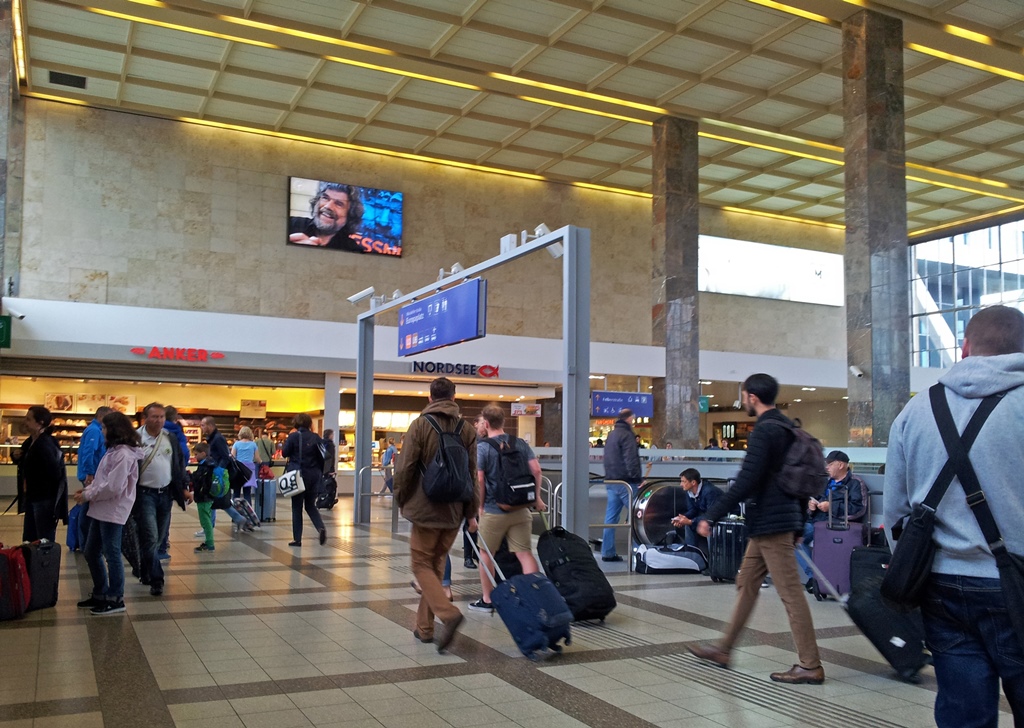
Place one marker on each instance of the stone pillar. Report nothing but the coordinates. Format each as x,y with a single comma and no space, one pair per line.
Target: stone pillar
9,260
332,406
550,426
877,277
674,310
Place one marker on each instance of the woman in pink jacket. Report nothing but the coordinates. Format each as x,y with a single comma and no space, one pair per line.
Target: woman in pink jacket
111,497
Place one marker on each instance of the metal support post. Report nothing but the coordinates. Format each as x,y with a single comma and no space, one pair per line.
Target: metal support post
364,422
576,382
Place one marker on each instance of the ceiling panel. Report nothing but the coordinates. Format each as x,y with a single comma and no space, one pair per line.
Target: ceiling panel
582,63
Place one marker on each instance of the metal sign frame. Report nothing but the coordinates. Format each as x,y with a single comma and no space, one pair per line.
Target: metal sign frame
575,243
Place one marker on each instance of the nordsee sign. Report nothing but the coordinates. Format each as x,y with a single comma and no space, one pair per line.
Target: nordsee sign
486,371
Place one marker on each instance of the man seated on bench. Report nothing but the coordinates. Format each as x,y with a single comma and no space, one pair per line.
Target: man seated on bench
841,481
700,496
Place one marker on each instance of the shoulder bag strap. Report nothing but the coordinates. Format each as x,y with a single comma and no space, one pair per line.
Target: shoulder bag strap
152,454
961,463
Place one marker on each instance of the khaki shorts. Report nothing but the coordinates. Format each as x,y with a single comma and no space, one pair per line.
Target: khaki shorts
516,526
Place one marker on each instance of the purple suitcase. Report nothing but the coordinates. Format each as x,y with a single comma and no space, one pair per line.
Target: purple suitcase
834,542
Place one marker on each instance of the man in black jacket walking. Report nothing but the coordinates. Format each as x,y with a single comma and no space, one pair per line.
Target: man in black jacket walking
774,522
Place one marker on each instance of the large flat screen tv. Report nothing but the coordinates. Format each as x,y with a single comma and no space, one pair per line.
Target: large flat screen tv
339,216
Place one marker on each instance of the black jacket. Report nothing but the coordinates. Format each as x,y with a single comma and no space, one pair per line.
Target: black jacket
622,454
220,453
42,476
768,509
302,448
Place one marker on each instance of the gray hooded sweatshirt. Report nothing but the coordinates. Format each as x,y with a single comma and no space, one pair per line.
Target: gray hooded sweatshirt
916,454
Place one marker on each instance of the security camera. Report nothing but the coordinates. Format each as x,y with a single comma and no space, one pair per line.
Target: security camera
857,371
361,296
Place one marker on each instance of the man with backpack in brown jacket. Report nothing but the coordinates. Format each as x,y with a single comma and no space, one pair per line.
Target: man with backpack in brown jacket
435,524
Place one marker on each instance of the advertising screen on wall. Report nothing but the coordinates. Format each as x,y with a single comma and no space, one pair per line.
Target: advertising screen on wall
340,216
737,267
450,317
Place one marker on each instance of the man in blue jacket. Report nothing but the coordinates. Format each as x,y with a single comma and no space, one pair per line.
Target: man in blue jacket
700,497
774,522
966,621
91,447
621,462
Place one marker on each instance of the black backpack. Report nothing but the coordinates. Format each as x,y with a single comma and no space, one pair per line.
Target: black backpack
446,479
803,474
516,484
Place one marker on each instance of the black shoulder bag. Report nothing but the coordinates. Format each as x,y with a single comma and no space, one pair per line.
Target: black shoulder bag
906,578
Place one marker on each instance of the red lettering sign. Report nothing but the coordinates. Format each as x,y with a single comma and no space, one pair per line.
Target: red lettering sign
167,353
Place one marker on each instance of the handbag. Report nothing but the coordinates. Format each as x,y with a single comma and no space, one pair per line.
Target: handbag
291,484
906,579
265,473
238,473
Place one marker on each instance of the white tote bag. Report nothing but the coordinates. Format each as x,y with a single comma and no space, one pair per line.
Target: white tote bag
290,484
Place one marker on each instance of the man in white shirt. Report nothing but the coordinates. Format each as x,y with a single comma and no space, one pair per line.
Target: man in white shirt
161,475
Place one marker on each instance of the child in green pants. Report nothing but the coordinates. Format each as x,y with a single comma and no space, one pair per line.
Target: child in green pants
210,489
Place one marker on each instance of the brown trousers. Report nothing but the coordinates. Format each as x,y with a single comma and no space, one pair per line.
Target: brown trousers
774,554
428,549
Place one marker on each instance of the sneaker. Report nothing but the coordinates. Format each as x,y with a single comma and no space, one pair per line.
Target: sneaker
156,590
616,557
90,603
481,606
200,533
108,608
203,547
164,556
323,536
469,563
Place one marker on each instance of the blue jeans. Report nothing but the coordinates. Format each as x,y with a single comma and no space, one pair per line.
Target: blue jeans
618,498
801,553
103,555
153,513
973,646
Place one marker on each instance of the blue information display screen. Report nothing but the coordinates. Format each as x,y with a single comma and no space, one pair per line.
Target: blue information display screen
608,404
450,317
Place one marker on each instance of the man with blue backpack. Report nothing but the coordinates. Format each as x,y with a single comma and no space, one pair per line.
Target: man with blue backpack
434,490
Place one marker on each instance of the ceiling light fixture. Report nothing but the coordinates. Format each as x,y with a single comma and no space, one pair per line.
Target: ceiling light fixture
958,223
777,216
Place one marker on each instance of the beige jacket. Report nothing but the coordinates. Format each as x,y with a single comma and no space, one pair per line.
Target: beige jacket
420,446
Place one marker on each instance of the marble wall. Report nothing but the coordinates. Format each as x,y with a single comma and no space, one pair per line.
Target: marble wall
131,210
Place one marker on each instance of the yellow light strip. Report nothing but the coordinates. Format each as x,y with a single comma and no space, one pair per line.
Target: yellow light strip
400,72
577,92
794,11
570,107
958,175
958,223
969,34
788,218
61,99
996,195
605,188
19,40
768,147
965,61
773,134
182,28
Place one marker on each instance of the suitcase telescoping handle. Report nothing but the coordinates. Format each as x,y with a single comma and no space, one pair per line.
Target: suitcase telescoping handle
845,525
822,581
494,582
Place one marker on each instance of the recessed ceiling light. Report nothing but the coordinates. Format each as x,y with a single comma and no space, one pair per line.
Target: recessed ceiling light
798,400
808,389
845,397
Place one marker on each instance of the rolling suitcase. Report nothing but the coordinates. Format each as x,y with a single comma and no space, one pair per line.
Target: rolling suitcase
533,611
868,562
130,545
898,636
266,500
42,562
834,542
245,508
727,545
569,563
15,586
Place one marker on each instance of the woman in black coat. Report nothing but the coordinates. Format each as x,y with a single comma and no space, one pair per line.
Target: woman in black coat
305,452
42,482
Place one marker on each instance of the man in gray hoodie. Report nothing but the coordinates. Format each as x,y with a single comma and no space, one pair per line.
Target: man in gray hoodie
967,626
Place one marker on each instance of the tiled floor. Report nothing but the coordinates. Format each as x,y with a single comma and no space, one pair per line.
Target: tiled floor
259,635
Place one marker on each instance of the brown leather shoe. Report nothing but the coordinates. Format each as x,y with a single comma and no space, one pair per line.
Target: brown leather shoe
444,636
797,675
710,652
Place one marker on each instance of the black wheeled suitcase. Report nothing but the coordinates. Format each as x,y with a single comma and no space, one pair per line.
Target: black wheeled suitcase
42,561
569,563
328,493
898,636
727,545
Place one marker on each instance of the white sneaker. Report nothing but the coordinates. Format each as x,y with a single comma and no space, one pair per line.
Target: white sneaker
200,533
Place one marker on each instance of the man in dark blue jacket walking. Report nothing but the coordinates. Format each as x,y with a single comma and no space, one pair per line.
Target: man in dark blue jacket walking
621,462
774,522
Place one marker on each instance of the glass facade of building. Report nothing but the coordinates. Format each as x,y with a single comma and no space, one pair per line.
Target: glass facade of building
953,277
